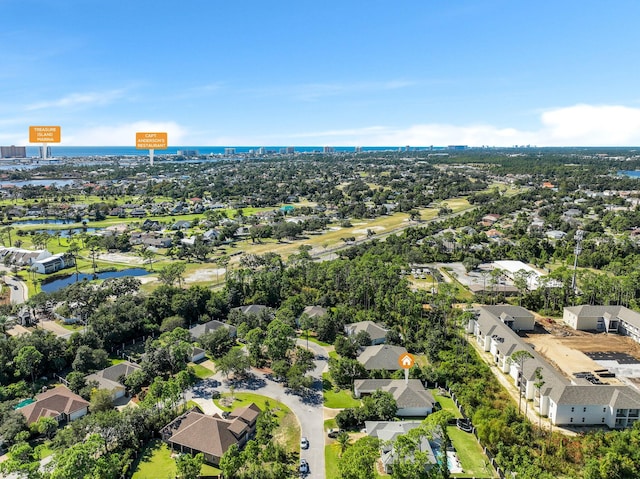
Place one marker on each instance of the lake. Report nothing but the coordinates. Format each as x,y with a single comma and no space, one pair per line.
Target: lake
59,283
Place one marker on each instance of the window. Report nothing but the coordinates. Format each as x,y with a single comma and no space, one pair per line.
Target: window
582,419
571,420
573,409
584,409
602,419
604,409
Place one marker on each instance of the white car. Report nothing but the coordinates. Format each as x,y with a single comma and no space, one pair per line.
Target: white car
304,466
304,443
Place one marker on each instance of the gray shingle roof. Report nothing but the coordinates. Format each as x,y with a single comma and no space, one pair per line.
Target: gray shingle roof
375,331
410,394
382,356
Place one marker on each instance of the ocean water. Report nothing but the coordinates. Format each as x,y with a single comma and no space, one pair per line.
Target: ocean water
89,151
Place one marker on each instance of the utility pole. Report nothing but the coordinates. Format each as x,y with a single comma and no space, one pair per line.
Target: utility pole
577,250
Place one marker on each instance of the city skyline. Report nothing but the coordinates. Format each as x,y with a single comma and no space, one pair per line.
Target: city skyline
492,73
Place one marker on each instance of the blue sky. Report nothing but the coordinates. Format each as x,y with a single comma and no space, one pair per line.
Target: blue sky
341,73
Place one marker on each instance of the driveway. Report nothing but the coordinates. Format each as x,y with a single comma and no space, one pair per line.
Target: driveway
307,408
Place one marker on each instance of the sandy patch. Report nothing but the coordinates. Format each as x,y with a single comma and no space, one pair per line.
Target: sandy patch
372,228
146,279
120,258
202,275
567,353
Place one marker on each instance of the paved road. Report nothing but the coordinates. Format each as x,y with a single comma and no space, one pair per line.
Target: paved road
18,289
308,408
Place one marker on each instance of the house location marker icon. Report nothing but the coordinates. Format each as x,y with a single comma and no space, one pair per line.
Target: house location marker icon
406,361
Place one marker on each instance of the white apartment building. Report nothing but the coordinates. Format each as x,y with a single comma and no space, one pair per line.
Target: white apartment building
564,401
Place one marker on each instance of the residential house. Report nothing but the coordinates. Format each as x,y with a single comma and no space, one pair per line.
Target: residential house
313,312
197,354
181,225
157,242
211,235
151,225
412,399
490,218
555,234
250,308
59,403
388,431
382,356
112,378
199,329
138,213
194,432
376,332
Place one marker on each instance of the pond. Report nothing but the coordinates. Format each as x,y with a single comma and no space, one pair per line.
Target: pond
49,182
56,284
68,233
45,221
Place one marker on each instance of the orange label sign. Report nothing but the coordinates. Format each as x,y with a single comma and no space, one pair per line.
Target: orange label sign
44,134
406,361
151,141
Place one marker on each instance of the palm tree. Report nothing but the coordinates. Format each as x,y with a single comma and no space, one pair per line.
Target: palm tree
147,256
344,441
7,230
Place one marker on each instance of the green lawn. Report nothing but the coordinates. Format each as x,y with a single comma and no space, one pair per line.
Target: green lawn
446,403
336,400
156,463
316,340
474,462
331,460
200,371
469,451
339,400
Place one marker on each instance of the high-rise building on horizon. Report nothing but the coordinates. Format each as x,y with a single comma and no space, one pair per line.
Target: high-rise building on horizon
13,151
42,152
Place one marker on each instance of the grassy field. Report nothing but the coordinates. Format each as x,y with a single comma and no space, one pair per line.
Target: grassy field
156,463
327,241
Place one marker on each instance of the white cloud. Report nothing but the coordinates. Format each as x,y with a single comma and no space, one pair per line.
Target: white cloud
79,99
592,125
579,125
123,134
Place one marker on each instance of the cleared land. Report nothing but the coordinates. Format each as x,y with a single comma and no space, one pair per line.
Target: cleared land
565,348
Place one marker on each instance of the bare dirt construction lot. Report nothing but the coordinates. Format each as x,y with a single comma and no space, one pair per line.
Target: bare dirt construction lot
565,348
